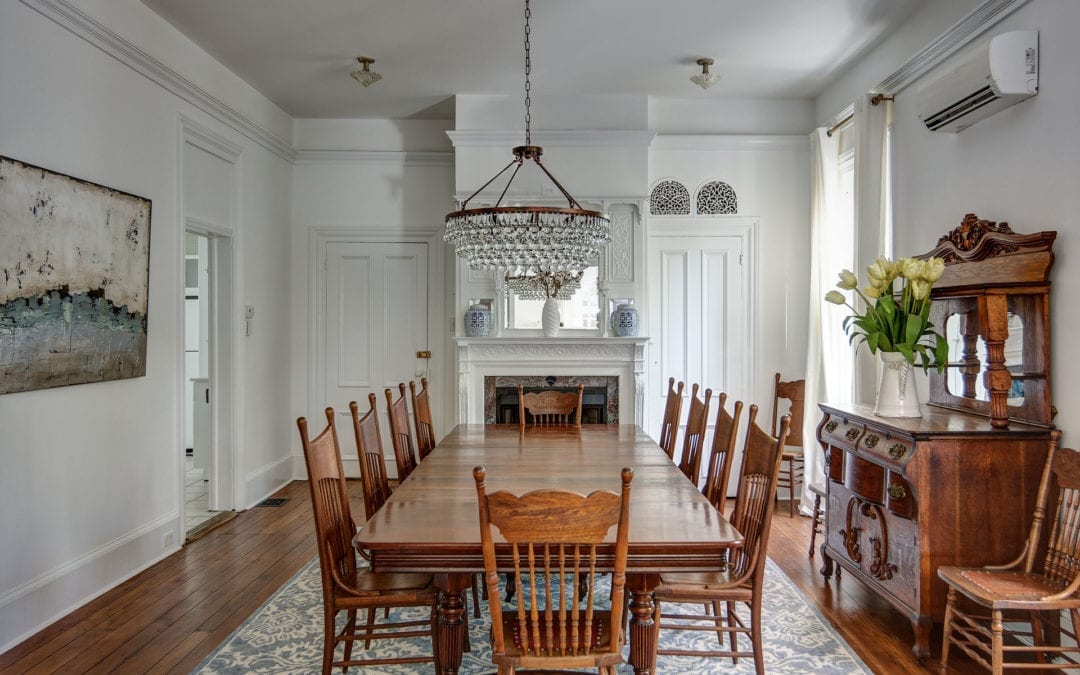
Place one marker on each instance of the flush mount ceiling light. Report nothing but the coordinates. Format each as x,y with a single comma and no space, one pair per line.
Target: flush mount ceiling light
366,76
545,247
705,79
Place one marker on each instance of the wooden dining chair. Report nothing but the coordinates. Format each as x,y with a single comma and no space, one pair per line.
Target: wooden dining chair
742,579
1015,609
347,587
400,436
425,429
694,438
791,469
722,455
669,428
370,452
552,538
551,408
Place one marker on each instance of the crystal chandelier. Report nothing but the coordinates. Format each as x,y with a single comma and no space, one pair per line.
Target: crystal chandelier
366,76
543,249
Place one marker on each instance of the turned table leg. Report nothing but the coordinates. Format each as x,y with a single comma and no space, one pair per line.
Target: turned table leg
923,625
451,624
644,622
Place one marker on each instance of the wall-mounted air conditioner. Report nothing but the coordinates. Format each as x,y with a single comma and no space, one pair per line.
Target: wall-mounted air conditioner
997,75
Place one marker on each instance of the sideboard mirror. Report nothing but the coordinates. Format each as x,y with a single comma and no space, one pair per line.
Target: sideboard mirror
992,305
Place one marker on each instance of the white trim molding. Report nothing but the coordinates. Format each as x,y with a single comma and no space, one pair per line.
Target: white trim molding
751,142
268,479
480,138
81,24
959,34
390,158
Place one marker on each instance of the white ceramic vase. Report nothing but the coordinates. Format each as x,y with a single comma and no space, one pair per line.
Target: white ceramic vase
897,394
549,317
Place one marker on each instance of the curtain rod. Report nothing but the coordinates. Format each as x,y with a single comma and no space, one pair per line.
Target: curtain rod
874,100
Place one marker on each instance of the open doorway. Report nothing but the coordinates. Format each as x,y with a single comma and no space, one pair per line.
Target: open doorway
197,471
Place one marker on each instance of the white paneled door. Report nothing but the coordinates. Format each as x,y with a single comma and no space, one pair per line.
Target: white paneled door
376,320
699,320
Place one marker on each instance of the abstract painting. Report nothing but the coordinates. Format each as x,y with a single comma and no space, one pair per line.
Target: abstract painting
74,277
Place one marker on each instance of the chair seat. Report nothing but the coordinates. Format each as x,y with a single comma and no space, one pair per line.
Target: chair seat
791,453
370,586
1004,589
700,586
816,490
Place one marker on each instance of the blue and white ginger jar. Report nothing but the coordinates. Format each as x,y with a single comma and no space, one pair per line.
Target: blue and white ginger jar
625,321
477,321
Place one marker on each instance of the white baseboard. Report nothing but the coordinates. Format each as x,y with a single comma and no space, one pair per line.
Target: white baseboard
33,605
268,479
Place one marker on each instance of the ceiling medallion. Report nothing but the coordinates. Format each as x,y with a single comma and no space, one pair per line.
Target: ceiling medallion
544,249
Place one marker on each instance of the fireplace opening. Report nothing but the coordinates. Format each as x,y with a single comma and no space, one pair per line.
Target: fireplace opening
599,399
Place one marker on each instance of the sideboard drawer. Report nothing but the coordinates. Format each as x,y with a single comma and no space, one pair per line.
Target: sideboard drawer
841,432
864,478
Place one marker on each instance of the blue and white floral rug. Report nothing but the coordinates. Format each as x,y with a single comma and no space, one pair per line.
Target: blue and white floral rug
285,636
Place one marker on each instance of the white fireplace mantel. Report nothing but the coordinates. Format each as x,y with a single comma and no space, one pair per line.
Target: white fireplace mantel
500,356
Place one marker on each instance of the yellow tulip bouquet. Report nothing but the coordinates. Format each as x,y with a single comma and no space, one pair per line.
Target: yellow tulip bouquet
891,322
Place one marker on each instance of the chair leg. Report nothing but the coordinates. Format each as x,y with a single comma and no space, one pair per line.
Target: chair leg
997,643
475,598
718,613
791,488
816,524
732,635
946,631
350,629
755,635
329,643
370,627
1037,636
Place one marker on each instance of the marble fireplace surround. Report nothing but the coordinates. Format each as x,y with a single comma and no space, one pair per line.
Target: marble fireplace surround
607,385
623,358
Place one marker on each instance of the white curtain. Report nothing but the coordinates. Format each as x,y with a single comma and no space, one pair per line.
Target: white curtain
827,349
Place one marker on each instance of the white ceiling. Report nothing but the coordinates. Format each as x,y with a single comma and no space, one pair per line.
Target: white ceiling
300,54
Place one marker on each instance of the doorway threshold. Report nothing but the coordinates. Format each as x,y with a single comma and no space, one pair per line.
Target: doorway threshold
218,519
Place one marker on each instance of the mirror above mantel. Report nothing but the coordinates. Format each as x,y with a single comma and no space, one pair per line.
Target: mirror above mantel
992,305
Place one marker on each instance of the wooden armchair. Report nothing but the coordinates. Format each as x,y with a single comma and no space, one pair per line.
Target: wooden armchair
742,579
791,469
722,455
425,429
552,538
346,587
401,437
694,439
669,428
551,408
1017,595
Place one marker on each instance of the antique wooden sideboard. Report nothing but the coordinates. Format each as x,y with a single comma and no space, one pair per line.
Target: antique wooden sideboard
956,486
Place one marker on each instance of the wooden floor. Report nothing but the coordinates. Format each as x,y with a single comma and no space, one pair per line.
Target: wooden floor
168,618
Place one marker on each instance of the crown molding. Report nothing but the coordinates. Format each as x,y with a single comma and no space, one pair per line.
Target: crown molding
959,34
373,158
699,142
476,138
81,24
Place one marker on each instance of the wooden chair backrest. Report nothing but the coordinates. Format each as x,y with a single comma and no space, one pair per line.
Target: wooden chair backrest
669,428
372,461
755,498
421,407
551,408
334,526
694,440
794,392
400,436
1061,563
722,455
553,536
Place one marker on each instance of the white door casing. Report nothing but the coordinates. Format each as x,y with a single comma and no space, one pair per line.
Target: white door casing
375,320
701,315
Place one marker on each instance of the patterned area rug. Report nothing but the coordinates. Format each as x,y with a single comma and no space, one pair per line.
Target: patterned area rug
285,636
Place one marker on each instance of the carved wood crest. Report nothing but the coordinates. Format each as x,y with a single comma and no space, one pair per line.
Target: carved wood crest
978,239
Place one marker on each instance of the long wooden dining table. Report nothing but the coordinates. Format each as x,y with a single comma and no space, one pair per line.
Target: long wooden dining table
431,521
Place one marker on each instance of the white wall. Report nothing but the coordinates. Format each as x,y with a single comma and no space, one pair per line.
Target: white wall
1021,166
90,478
772,183
363,176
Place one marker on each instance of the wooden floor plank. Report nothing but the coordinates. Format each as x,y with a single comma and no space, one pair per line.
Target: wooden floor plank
172,615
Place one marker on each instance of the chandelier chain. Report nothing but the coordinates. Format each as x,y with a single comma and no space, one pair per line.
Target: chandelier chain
528,71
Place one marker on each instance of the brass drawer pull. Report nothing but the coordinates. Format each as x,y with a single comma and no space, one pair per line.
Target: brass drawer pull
831,426
871,441
897,491
897,451
852,433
